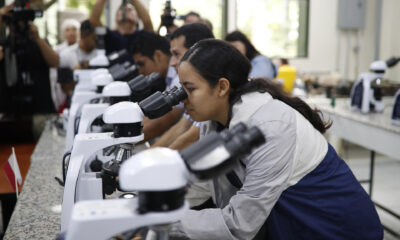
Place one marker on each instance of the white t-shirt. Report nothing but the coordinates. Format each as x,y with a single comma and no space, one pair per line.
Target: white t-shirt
172,79
73,55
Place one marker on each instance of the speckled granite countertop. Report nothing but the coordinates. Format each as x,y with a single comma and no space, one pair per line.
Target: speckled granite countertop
37,213
342,108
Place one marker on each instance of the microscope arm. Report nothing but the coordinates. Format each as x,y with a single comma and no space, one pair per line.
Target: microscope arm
89,113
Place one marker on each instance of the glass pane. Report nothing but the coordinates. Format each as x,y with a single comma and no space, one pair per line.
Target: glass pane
278,28
209,9
47,24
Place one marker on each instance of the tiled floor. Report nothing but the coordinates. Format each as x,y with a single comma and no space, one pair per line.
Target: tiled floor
386,188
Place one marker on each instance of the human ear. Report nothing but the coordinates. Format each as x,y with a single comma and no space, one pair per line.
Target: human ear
223,87
157,56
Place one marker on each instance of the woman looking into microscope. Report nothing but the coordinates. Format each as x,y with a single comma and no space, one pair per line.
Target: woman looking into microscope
294,186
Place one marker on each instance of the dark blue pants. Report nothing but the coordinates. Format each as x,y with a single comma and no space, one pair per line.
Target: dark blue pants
328,203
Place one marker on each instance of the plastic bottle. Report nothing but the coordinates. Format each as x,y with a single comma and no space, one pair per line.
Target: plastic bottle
288,74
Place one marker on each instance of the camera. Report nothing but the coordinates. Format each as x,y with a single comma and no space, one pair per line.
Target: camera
169,15
21,68
18,21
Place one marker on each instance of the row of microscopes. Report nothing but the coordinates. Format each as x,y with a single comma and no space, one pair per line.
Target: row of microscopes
366,93
103,124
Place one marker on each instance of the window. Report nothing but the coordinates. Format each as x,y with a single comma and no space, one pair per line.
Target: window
277,28
47,25
209,9
50,24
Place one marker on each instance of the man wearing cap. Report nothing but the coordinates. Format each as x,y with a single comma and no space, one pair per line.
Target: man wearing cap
77,56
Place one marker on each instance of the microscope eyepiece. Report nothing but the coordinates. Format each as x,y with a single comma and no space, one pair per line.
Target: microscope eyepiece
180,94
173,89
144,86
175,95
158,104
254,136
216,153
245,141
227,134
392,61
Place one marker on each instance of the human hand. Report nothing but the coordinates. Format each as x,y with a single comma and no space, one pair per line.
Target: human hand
1,53
7,8
85,64
33,31
82,65
77,66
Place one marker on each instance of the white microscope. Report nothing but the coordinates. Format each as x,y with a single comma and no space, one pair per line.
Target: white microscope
160,176
115,92
101,60
139,87
119,72
78,100
90,120
396,109
366,95
84,78
126,117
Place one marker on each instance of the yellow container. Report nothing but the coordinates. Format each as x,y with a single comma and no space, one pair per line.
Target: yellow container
288,75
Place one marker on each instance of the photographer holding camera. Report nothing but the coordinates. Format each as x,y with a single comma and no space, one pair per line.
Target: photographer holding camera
127,19
25,67
169,16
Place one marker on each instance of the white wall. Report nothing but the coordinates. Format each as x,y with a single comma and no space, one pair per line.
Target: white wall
390,40
331,49
321,38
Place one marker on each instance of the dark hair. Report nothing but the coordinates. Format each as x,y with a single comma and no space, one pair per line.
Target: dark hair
207,22
193,33
251,51
192,13
86,28
215,59
146,43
